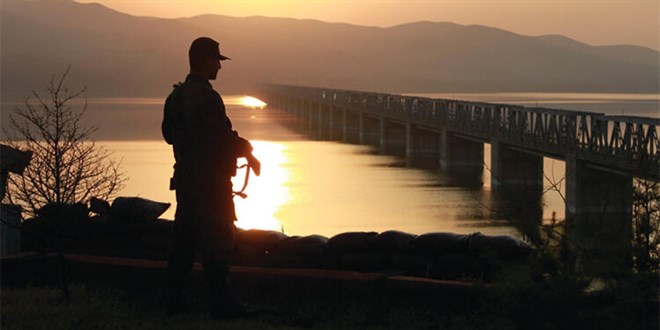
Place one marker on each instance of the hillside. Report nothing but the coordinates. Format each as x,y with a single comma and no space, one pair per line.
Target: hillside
115,54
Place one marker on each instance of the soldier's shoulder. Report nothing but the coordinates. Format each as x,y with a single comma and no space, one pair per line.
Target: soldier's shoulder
200,87
192,88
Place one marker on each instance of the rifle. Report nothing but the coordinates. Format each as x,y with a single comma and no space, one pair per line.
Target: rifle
253,164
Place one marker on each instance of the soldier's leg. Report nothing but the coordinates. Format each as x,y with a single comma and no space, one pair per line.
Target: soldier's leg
216,246
219,297
179,264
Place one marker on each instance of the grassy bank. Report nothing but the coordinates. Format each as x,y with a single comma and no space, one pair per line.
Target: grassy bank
128,297
97,307
93,306
100,306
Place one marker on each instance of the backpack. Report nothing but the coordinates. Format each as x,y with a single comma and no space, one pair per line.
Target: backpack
171,126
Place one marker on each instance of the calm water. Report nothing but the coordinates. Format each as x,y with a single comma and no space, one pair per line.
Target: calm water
309,187
325,188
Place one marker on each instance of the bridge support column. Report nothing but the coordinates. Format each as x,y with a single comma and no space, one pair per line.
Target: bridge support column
383,135
599,217
303,109
331,122
369,130
392,139
344,133
302,114
517,178
311,110
279,101
352,131
362,129
290,105
462,158
320,124
337,123
422,147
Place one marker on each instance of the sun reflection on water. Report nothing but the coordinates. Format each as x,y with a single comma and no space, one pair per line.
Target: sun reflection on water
245,101
252,102
266,193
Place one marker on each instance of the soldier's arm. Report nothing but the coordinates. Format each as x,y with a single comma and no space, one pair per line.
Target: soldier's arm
211,124
220,130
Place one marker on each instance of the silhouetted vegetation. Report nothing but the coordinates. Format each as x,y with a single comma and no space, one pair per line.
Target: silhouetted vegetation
646,225
67,167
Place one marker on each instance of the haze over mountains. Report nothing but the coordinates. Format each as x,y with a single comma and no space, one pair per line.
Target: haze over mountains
115,54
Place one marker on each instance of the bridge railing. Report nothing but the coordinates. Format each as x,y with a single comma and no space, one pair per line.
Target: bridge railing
625,142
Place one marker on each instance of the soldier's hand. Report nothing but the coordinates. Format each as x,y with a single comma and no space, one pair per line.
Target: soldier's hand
254,164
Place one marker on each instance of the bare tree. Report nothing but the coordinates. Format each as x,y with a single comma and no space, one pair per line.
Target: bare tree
67,166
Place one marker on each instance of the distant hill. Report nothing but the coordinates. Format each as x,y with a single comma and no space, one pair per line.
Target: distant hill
116,54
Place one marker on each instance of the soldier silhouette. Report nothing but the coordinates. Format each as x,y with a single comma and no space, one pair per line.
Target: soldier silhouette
205,148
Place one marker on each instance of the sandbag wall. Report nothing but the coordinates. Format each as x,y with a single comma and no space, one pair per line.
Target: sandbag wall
130,228
436,255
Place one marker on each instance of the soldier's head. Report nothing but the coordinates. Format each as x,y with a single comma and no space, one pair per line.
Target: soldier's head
204,57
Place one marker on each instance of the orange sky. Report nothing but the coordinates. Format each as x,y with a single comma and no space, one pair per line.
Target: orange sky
596,22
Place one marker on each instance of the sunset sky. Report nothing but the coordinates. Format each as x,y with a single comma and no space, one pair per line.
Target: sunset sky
596,22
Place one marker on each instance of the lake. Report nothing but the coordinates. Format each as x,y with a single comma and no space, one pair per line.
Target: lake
312,187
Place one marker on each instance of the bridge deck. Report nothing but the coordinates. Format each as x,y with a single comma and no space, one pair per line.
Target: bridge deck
620,143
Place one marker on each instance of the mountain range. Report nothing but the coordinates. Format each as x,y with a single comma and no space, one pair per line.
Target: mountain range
116,54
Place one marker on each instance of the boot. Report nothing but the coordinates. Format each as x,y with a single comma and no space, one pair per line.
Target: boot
177,269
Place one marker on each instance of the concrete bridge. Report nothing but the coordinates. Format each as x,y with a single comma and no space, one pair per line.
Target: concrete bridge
602,153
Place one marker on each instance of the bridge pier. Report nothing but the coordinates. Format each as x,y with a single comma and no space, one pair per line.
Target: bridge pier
351,126
392,138
300,108
598,216
462,158
362,137
422,147
335,123
369,130
311,111
517,177
382,123
289,103
320,122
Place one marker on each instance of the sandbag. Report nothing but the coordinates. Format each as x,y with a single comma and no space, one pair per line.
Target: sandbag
14,160
248,255
64,214
156,242
285,261
502,247
456,266
306,246
394,241
10,232
261,239
137,209
350,242
99,206
436,244
410,262
365,261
